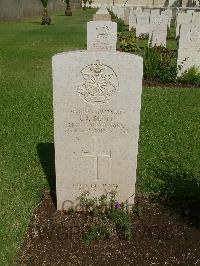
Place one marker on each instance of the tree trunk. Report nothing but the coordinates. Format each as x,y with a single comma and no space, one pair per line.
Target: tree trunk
46,20
68,11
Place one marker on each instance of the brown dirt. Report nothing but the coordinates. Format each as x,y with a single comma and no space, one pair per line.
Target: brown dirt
160,237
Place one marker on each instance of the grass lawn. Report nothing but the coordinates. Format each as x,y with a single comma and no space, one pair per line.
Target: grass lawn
169,123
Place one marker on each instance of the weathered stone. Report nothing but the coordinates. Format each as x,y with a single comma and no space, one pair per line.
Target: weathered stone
101,36
97,98
182,18
126,15
158,34
132,20
102,14
189,48
143,23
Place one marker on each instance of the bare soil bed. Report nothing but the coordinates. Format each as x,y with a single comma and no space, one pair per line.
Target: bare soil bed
161,235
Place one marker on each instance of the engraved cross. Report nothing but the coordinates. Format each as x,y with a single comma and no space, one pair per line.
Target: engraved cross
96,155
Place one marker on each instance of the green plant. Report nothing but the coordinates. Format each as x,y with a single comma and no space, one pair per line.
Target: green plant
191,76
120,23
160,64
127,42
105,217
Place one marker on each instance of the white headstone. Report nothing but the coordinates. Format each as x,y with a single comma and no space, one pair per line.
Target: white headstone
196,18
189,48
168,16
118,11
154,13
97,99
182,18
147,10
132,19
126,15
101,36
158,34
102,14
143,24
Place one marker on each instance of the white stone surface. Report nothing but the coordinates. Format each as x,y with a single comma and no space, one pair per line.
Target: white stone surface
97,99
132,19
102,10
168,16
102,14
154,14
158,34
147,10
196,18
126,15
101,36
118,11
143,23
189,48
182,18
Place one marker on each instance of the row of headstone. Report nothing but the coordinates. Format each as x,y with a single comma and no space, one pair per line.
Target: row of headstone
97,99
151,23
155,24
146,22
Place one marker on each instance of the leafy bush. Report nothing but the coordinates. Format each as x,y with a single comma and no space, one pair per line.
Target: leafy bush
191,76
127,42
105,217
120,23
160,64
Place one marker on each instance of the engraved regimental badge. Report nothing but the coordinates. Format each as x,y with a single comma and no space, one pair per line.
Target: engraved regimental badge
100,83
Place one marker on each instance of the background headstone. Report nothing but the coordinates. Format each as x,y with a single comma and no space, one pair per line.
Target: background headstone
126,15
102,14
182,18
143,23
101,36
158,34
132,19
189,48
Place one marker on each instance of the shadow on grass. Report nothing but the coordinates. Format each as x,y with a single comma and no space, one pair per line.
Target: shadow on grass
39,23
47,158
180,191
35,22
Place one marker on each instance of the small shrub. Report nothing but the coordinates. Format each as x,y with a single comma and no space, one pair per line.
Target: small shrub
191,76
105,217
160,64
127,42
120,23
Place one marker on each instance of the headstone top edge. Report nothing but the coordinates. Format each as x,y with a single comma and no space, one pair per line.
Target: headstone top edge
101,21
97,53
